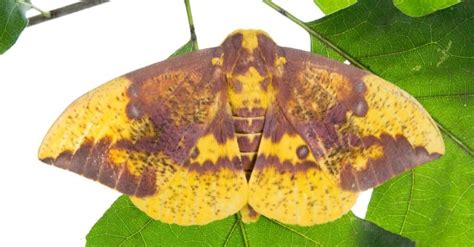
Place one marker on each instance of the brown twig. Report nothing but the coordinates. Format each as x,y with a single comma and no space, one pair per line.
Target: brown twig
69,9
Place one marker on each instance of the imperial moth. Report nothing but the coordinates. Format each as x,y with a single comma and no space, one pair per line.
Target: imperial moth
247,126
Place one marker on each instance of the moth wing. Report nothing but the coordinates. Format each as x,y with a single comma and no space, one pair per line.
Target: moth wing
149,134
360,131
370,129
288,182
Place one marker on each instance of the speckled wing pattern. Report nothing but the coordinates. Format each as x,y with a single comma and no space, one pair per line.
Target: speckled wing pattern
163,135
334,130
246,126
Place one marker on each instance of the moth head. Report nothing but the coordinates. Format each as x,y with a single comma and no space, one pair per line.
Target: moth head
248,39
248,47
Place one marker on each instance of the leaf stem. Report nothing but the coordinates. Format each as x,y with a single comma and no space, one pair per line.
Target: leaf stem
314,33
46,14
191,25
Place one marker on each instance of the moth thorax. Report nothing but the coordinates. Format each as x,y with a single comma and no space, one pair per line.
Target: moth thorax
249,90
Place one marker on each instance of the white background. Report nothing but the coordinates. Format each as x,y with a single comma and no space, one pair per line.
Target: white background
55,62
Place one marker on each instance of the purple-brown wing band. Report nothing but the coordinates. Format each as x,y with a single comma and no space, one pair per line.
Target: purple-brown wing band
152,115
163,134
363,129
289,183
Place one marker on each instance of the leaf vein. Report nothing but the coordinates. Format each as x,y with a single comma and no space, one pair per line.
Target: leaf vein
409,201
296,232
232,229
137,232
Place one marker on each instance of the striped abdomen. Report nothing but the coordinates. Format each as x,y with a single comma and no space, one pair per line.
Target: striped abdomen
249,132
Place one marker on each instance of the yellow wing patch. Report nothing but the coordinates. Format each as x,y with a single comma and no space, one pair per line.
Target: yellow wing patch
304,197
195,198
290,185
285,149
393,111
137,162
360,156
210,150
209,186
94,116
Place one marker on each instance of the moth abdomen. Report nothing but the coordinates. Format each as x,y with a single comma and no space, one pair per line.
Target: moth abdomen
249,132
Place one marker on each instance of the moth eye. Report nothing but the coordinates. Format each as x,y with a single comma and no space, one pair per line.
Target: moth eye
302,151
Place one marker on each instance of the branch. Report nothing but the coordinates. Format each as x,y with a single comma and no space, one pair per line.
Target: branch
69,9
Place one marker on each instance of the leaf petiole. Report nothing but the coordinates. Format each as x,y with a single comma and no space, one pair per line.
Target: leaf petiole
191,25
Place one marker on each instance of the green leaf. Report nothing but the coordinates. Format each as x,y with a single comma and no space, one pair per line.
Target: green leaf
432,58
416,8
433,204
186,48
125,225
331,6
346,231
318,47
413,8
12,23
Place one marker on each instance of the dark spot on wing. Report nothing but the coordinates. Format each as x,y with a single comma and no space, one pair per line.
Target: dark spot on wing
302,151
